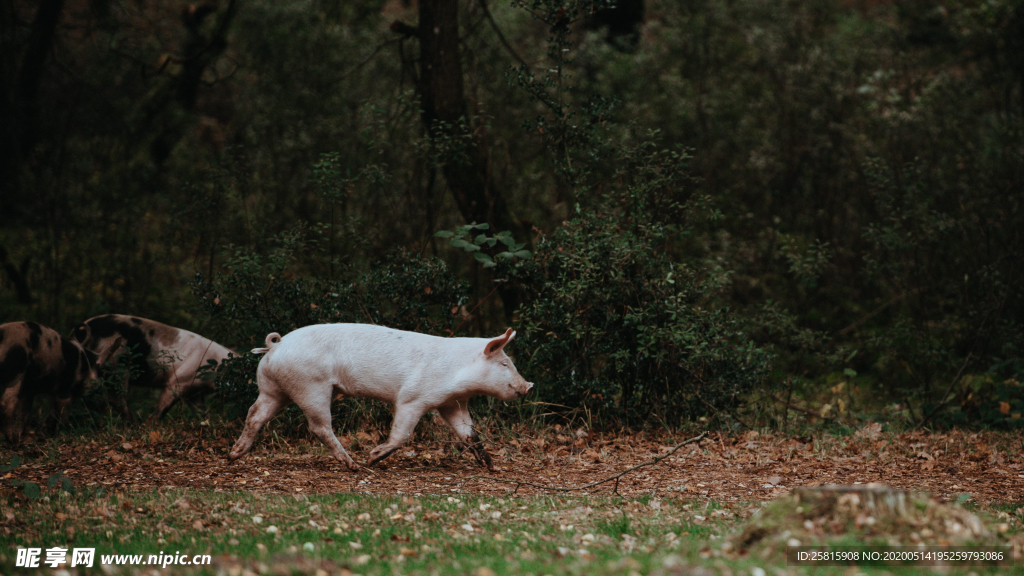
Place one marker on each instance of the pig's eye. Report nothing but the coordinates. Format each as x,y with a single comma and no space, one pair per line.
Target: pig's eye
505,364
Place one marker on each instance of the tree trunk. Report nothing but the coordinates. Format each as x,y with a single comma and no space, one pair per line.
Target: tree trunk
443,102
444,116
40,42
200,52
19,107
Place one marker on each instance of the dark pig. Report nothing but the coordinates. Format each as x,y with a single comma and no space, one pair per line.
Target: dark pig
37,360
162,356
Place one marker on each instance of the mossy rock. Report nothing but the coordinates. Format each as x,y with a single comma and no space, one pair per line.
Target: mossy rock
871,514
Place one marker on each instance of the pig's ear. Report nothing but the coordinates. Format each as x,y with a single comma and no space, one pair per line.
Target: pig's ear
495,346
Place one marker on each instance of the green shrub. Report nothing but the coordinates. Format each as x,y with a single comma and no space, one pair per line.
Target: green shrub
993,400
618,328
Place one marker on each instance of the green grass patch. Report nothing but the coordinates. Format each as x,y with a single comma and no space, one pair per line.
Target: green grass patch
372,535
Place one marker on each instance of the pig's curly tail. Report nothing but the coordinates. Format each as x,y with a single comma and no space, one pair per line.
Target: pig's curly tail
273,339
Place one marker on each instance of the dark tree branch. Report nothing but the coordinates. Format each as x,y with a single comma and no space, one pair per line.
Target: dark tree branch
877,311
193,16
404,31
945,396
19,96
204,50
501,37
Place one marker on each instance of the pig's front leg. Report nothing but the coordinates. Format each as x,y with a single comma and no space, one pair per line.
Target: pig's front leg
168,398
13,406
116,398
406,417
118,401
58,413
184,385
171,395
457,414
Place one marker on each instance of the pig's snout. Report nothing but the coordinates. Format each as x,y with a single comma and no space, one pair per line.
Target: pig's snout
526,390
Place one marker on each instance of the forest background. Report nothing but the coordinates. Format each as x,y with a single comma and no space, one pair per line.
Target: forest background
721,210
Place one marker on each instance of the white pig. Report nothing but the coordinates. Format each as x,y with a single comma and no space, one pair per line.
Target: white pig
415,372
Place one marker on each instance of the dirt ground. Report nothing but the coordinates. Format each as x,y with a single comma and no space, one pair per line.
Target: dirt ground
748,467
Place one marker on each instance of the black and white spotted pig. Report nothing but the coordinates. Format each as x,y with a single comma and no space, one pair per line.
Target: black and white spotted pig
163,356
36,360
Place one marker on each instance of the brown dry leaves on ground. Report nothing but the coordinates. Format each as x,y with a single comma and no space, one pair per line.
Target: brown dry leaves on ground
747,467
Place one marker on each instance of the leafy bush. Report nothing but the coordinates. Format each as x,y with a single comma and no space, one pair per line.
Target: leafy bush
618,328
994,399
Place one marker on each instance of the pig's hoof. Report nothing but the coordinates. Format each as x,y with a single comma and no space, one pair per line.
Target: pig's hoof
379,453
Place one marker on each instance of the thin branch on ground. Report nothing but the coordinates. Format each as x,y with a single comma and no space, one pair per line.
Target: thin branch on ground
808,411
616,477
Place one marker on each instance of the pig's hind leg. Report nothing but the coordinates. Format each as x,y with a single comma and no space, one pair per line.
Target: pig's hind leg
317,409
265,407
406,417
457,414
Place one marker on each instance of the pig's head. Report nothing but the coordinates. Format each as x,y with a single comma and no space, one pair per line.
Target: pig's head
97,351
104,337
500,375
85,365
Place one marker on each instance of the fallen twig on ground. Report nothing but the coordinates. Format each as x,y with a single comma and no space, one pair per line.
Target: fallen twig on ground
614,477
807,411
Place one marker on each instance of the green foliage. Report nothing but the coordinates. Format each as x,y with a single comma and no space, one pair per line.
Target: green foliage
992,400
843,181
114,377
618,328
616,526
32,489
29,489
571,121
614,322
617,325
61,480
462,237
